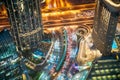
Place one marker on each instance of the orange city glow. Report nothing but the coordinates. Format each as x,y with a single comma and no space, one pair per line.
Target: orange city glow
3,11
57,4
61,16
57,13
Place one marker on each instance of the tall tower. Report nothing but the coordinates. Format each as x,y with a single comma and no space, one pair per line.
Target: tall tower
106,17
25,19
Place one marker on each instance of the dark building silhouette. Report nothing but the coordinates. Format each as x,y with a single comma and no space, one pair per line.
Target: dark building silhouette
105,22
25,22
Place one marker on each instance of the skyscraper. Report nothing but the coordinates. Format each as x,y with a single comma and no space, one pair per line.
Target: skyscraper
25,22
106,18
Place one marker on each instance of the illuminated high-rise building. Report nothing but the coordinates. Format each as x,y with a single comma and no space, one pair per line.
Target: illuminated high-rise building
53,56
25,22
105,22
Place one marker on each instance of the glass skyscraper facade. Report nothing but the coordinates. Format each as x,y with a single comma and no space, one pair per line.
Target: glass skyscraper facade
104,27
25,22
69,46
